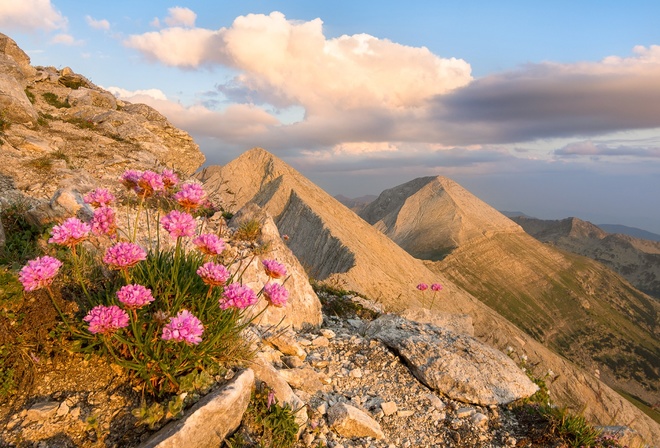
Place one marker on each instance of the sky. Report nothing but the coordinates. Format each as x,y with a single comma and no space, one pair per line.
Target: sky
547,108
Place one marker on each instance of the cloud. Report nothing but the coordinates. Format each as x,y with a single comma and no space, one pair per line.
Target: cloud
30,16
591,149
65,39
179,16
127,95
102,24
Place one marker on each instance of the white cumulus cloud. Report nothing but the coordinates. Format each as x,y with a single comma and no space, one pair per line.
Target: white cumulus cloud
30,15
179,16
102,24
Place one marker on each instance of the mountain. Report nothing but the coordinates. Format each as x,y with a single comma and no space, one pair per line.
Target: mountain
635,259
344,251
574,305
631,231
356,204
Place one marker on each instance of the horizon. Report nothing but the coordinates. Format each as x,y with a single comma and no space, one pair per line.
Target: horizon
552,110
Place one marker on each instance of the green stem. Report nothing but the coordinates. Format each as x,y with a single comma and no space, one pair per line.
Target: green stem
77,270
59,311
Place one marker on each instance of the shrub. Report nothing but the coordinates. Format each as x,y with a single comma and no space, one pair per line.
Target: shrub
30,95
81,123
54,100
249,230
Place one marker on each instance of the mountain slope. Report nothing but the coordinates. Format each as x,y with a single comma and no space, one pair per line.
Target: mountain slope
635,259
337,246
574,305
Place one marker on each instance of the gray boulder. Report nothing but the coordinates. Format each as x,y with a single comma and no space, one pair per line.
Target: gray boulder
457,365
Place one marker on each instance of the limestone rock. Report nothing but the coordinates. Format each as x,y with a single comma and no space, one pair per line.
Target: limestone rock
303,306
88,97
306,379
64,204
10,51
209,421
285,341
42,410
458,323
349,421
459,366
14,104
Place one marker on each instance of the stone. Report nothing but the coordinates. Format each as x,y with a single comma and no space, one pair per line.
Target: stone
211,419
405,413
624,435
436,402
303,307
320,341
458,323
42,411
306,379
285,342
479,420
14,104
348,421
329,334
459,366
89,97
464,412
12,52
292,361
388,407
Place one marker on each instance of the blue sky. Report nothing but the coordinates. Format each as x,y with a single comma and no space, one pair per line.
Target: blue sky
550,108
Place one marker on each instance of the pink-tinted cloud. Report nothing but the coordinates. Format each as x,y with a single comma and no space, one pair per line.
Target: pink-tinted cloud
30,16
591,149
102,24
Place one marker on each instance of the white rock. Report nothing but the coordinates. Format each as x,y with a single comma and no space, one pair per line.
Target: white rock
349,421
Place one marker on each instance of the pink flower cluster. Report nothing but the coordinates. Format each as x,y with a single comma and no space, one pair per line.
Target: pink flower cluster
209,244
70,232
170,179
106,319
148,183
104,221
130,179
39,273
422,286
178,224
276,294
135,296
274,269
236,295
100,197
436,287
124,255
191,196
184,327
213,274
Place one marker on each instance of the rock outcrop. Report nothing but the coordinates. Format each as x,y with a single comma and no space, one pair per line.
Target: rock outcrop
343,250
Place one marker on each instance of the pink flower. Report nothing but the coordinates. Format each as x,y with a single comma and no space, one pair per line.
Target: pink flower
276,294
422,286
135,296
130,179
104,222
124,255
170,179
70,232
99,197
274,269
190,196
39,272
148,183
436,287
106,319
237,296
209,244
184,327
213,274
178,224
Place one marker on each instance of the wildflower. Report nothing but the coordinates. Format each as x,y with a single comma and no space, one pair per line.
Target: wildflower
209,244
99,197
124,255
190,196
271,399
161,317
523,357
276,294
104,222
422,286
213,274
237,296
436,287
184,327
130,179
148,183
135,296
178,224
170,179
39,272
550,373
106,319
274,269
70,232
509,349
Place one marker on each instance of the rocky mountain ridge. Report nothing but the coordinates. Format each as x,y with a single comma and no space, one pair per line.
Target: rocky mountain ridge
635,259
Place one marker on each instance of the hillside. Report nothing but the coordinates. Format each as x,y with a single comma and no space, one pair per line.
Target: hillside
572,304
635,259
341,249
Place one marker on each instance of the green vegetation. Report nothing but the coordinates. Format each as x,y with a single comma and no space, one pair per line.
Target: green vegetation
54,100
266,423
22,236
336,301
81,123
248,231
30,95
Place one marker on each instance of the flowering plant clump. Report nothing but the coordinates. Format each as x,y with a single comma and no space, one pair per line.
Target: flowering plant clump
168,313
422,286
274,269
435,287
39,273
276,294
